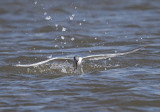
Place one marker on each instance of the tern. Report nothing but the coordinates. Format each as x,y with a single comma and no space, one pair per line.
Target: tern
78,60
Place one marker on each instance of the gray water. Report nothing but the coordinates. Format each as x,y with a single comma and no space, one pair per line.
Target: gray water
33,31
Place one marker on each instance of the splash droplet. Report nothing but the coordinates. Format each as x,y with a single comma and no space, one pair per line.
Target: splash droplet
48,18
35,2
62,37
72,39
56,25
56,46
45,13
63,29
71,17
49,56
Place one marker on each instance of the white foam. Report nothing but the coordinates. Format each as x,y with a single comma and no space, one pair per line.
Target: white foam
48,18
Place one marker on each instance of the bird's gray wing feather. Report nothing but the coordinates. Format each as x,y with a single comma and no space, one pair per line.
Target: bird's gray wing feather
105,56
42,62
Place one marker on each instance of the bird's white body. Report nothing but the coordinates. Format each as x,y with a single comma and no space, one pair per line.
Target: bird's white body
79,61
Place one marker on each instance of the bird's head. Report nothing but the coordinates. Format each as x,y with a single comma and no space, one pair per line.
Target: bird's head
76,59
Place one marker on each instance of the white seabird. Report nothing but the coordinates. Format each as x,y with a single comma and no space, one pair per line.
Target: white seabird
78,60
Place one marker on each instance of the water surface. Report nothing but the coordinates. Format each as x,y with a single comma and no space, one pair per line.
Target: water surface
32,31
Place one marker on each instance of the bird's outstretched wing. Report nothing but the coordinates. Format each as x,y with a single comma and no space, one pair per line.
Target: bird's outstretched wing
42,62
105,56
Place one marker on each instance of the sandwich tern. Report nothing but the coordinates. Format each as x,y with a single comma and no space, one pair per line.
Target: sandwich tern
78,60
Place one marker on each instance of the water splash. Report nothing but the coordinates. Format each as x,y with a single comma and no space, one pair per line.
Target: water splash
72,39
48,18
62,37
64,29
71,17
35,2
